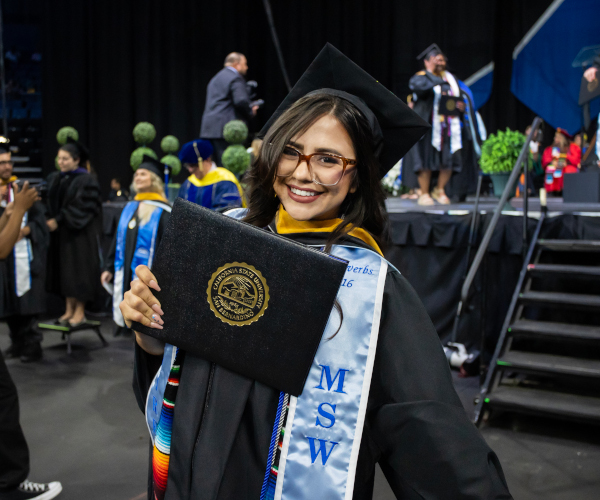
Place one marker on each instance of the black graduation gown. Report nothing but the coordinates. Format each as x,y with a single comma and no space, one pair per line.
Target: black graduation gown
130,244
416,427
74,253
34,301
429,158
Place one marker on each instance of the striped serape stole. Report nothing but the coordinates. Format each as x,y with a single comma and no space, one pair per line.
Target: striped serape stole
270,481
162,441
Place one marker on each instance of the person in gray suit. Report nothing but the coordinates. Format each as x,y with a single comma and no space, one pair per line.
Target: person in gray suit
227,99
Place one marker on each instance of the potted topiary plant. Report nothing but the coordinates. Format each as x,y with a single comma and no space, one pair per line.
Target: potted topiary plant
143,133
235,158
499,154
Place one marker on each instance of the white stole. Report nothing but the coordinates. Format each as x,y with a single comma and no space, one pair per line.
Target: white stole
23,256
454,122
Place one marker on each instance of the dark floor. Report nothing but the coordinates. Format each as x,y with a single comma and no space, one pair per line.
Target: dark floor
85,430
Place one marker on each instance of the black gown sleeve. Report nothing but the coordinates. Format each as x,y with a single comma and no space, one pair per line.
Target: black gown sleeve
423,82
417,429
84,203
109,260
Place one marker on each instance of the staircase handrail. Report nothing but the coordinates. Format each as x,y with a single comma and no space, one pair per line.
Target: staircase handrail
514,175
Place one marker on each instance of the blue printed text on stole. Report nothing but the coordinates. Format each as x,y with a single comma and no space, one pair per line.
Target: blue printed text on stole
325,423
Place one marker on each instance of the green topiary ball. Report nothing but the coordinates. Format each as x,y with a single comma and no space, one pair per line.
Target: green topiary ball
169,144
236,159
64,133
136,157
144,133
172,161
235,132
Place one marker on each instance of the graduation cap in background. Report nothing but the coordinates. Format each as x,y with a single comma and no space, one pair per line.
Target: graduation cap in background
152,165
395,126
84,153
432,50
193,151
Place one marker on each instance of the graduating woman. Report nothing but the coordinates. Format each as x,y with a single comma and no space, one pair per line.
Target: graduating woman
74,219
139,232
379,390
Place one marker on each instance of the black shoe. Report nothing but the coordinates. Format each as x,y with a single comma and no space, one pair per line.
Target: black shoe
33,491
31,353
12,352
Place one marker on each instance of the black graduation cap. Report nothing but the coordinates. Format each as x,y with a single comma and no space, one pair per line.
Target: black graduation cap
152,165
395,126
84,153
433,49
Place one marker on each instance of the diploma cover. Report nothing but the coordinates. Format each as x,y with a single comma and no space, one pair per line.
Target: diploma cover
448,105
246,299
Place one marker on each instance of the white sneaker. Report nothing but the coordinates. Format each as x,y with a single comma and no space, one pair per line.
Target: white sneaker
33,491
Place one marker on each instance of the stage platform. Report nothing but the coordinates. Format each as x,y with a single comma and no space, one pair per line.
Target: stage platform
556,206
429,247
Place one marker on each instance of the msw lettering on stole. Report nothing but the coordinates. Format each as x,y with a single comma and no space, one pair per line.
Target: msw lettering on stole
326,413
321,451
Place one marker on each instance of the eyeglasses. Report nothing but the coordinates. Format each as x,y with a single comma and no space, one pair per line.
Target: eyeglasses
326,169
8,163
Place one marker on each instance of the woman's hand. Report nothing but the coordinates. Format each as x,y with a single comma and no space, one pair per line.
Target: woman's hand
139,304
106,277
52,225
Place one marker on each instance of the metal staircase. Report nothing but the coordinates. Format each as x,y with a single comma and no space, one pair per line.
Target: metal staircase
547,367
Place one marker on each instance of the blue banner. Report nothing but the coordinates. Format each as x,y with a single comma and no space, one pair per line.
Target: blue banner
543,77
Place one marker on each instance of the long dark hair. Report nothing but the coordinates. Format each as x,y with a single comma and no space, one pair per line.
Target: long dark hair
364,208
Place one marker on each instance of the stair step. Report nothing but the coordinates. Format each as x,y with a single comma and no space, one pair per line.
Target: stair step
570,300
538,401
571,245
552,329
550,363
561,269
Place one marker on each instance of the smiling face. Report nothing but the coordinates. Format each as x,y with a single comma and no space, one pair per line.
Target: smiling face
301,197
66,163
142,180
6,167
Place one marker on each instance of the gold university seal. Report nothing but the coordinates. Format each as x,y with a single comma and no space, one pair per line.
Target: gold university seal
238,294
450,105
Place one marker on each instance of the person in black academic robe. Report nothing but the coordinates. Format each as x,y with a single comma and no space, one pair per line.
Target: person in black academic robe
14,452
150,188
75,221
429,160
218,438
416,429
19,311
